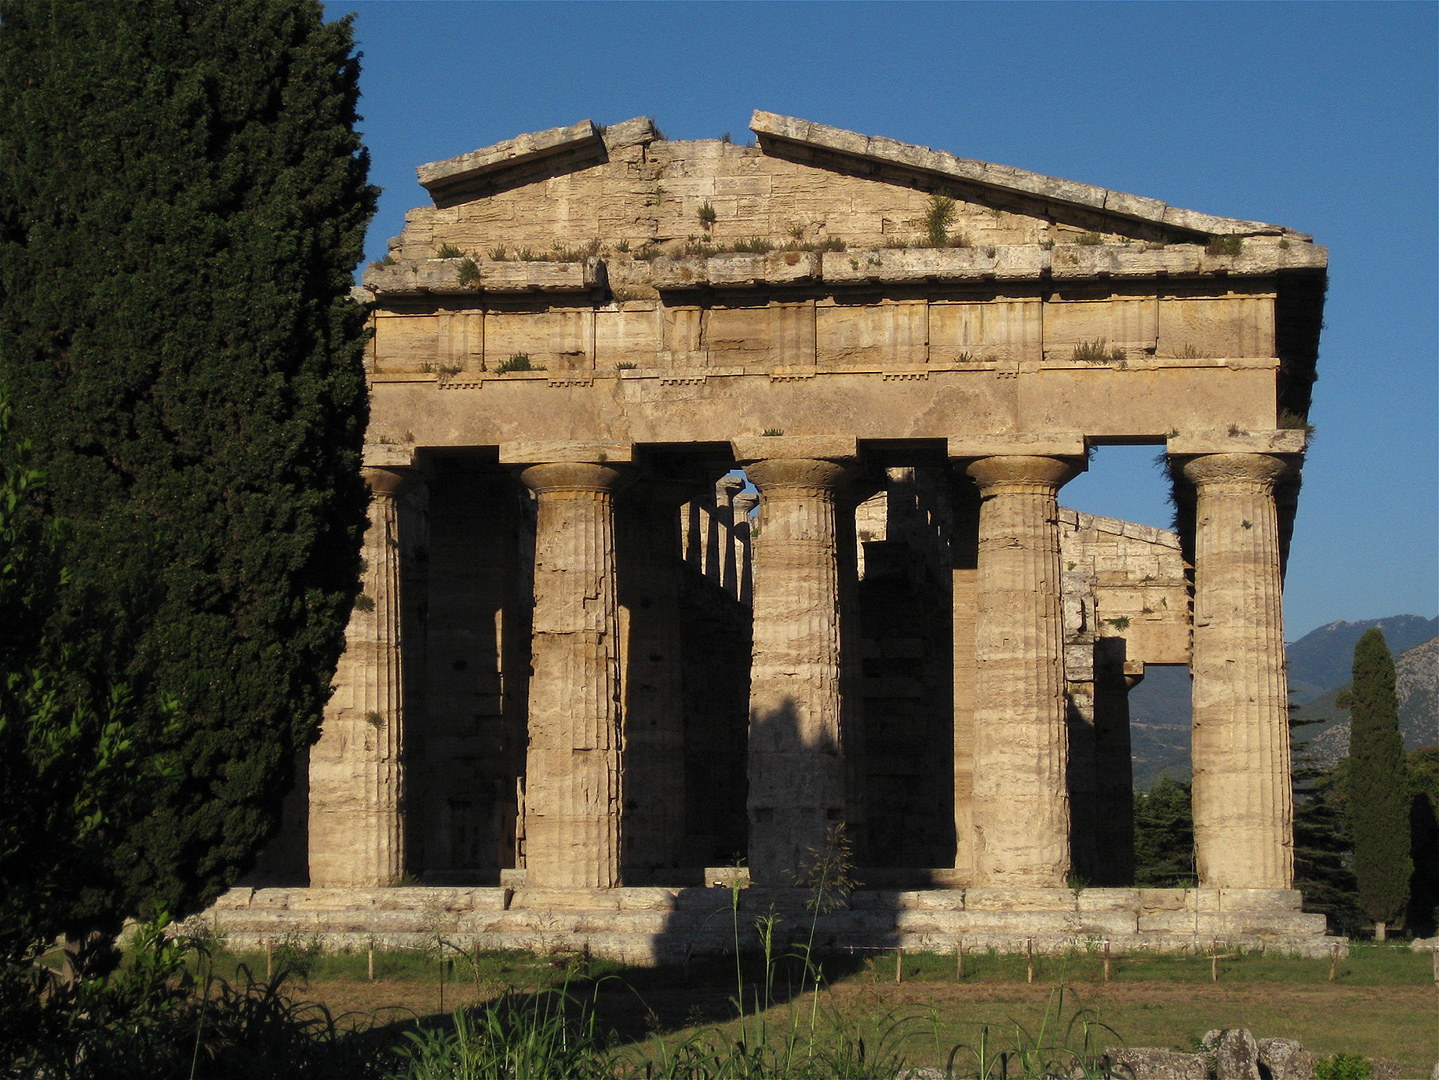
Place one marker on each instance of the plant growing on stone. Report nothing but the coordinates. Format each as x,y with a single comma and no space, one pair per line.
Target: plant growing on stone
706,214
517,362
449,251
468,273
1097,352
938,217
1224,245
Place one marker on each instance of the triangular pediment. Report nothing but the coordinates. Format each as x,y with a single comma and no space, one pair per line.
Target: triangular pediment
566,209
815,154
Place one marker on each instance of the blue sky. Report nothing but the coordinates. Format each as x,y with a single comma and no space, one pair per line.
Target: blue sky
1321,117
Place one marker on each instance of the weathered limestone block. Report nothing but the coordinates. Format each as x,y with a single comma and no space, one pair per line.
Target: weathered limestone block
1021,804
797,773
1154,1063
1117,321
886,334
1243,800
999,330
1285,1059
356,835
572,785
1236,1054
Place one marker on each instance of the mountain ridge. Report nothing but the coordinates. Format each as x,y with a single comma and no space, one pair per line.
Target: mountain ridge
1320,664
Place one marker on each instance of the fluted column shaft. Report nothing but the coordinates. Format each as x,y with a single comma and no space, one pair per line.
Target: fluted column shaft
964,552
1243,799
797,776
1021,800
572,773
356,834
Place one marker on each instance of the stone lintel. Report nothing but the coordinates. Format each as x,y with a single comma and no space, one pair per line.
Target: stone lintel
1282,441
522,148
823,447
543,452
1067,444
791,129
388,456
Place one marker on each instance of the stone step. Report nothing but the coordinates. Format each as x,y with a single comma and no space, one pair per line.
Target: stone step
648,925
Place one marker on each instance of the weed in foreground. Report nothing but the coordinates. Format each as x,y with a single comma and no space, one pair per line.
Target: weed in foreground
1063,1046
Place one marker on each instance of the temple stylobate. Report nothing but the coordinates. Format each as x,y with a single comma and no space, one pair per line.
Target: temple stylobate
717,522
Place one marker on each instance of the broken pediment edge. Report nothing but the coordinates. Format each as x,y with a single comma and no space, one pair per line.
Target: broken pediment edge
438,177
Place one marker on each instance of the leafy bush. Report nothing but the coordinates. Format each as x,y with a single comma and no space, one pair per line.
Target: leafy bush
1342,1067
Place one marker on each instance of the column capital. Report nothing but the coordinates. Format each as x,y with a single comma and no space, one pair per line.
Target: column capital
1258,470
390,480
796,477
1022,474
560,476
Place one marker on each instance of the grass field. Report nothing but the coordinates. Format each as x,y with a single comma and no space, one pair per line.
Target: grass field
1383,1001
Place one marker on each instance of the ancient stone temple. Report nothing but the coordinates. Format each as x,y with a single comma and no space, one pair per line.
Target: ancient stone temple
591,666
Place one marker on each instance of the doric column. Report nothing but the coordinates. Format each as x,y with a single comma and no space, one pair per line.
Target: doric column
725,491
797,775
356,769
1114,677
1243,801
572,775
648,556
856,816
744,502
964,551
1021,804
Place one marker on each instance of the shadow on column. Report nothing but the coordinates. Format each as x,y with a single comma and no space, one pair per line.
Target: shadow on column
814,906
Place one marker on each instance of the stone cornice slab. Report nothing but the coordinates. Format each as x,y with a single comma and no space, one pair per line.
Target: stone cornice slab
441,276
1281,441
1258,257
457,171
791,129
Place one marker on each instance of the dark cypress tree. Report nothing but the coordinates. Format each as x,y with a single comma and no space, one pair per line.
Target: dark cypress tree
1164,837
1322,844
1378,789
1422,917
183,198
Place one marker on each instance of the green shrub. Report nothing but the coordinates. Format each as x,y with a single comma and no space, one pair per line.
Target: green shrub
517,362
938,217
1342,1067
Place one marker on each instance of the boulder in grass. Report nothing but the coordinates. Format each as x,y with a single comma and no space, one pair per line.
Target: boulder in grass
1285,1059
1152,1063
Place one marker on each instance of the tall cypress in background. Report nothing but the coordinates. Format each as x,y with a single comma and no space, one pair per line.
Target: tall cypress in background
1164,836
183,198
1378,786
